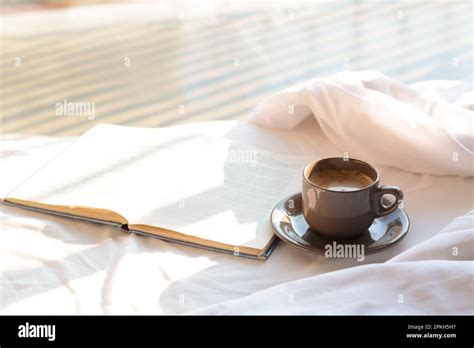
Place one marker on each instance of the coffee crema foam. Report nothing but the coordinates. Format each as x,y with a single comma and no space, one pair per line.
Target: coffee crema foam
340,179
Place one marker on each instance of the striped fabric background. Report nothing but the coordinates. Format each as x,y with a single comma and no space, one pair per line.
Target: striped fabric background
140,68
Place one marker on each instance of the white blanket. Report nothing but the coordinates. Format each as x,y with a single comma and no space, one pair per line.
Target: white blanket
55,265
422,128
433,277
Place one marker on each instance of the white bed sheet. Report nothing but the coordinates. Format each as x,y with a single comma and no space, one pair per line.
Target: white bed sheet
55,265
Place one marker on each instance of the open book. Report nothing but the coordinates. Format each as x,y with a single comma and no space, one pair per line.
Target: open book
206,184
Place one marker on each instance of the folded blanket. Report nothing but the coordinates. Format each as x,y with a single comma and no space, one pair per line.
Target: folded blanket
433,277
424,128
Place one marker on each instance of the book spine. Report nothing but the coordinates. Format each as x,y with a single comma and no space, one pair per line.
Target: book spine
124,228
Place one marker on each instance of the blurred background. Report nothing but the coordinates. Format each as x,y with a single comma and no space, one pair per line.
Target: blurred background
163,63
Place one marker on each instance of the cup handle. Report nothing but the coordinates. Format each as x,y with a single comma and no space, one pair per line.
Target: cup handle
380,208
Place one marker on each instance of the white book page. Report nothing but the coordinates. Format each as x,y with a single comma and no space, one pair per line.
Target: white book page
192,179
224,191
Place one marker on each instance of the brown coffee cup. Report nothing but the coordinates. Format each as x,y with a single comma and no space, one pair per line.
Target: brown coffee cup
345,214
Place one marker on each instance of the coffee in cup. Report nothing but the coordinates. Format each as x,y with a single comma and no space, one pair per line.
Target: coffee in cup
341,179
341,197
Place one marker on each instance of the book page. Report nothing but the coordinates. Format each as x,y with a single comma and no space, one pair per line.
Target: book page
192,180
224,191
